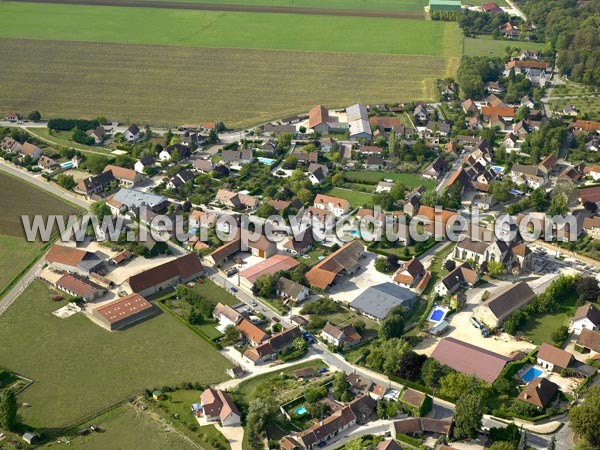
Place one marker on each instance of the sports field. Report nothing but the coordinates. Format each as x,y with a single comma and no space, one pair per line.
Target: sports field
78,367
168,66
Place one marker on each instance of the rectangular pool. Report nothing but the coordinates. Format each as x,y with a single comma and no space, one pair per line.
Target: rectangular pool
267,161
438,314
532,372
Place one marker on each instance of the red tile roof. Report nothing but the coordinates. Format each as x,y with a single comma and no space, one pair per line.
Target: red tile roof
68,256
554,355
318,115
269,267
122,308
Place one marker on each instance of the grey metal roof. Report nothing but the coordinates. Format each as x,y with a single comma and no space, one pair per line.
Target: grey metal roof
377,301
132,198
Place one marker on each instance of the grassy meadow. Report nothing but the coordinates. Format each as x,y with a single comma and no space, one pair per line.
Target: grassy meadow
486,46
78,367
174,85
410,180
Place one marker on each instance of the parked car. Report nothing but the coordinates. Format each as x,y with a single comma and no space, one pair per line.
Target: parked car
276,319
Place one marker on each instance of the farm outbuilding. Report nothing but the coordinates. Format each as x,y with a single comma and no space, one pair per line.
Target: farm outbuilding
444,5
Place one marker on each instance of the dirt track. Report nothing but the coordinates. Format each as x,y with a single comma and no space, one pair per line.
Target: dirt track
236,8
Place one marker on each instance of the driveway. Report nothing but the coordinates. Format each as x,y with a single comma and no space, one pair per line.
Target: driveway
365,277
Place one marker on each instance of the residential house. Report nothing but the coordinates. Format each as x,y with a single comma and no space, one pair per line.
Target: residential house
268,350
511,143
236,158
268,147
375,163
10,145
318,119
31,150
126,177
179,180
591,226
438,127
412,201
95,184
132,133
164,276
47,163
344,337
317,173
236,200
144,163
344,261
508,30
179,152
436,169
420,113
410,273
201,219
123,312
527,101
589,340
131,201
501,304
291,291
462,276
300,244
552,358
469,107
532,176
539,392
226,316
98,133
337,206
270,266
586,317
12,117
490,7
384,186
417,426
202,165
217,405
495,87
252,334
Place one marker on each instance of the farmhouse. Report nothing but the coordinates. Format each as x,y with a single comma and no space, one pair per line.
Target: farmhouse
252,334
123,312
502,304
469,359
552,358
490,7
73,260
291,291
270,266
77,286
539,392
344,261
377,301
181,270
218,406
586,317
125,177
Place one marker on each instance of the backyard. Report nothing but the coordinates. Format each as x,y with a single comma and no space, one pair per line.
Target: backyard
355,198
102,367
539,327
410,180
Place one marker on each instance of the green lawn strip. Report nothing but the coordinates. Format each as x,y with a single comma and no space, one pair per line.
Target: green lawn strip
78,367
62,138
540,327
487,46
228,29
356,199
16,257
215,293
124,427
410,180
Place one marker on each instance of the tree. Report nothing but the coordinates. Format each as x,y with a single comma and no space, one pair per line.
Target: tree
560,335
265,285
431,372
559,205
449,265
341,386
66,181
230,336
81,137
35,116
410,365
382,264
468,415
8,410
585,418
213,136
300,344
456,384
502,445
304,195
100,209
260,412
588,289
392,327
265,210
495,269
509,434
95,163
500,190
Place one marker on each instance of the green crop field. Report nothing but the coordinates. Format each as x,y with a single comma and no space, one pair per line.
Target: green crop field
78,367
152,26
174,85
486,46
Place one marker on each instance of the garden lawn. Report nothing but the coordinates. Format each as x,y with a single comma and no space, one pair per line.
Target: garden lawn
214,293
126,428
157,26
486,46
63,138
540,327
410,180
78,367
356,198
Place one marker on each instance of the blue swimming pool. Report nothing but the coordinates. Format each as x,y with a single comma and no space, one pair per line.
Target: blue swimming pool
68,164
532,372
498,169
438,314
267,161
300,410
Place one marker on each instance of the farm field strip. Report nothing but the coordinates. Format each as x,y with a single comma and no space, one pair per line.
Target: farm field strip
151,26
167,85
279,9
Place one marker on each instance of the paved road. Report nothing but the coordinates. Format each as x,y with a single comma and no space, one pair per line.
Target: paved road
239,8
517,11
